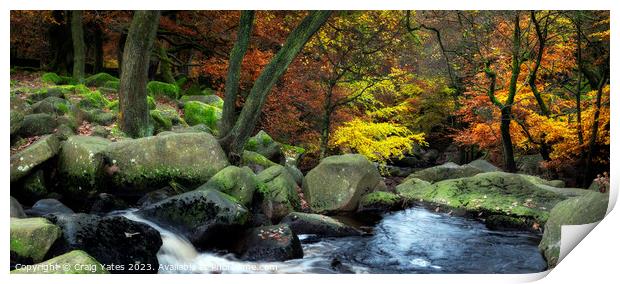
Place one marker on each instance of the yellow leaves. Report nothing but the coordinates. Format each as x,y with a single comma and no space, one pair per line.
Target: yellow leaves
377,141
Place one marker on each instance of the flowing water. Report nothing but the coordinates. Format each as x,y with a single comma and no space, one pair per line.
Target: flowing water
410,241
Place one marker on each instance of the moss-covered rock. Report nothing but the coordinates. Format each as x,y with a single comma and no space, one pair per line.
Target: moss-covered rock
278,192
494,193
408,188
271,243
57,92
382,200
31,239
53,78
292,154
113,84
99,116
205,217
263,144
24,161
207,99
112,240
320,225
157,88
73,262
52,105
446,171
165,117
338,182
138,165
16,121
201,113
255,161
37,124
78,167
93,100
239,183
585,209
99,79
296,174
31,188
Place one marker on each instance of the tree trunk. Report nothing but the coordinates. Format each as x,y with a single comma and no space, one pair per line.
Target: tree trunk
595,125
134,114
98,50
79,47
234,72
507,150
165,65
119,52
234,141
509,160
325,129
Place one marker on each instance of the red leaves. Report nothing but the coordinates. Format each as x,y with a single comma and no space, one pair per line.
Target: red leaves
23,145
85,129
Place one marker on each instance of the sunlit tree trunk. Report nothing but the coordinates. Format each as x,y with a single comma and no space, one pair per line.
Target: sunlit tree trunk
134,115
236,138
79,47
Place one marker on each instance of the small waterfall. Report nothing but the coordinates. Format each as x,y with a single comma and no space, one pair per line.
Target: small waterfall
410,241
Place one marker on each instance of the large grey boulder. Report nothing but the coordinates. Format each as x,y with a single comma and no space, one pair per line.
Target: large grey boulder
37,124
585,209
278,191
271,243
77,164
239,183
31,239
24,161
48,206
16,209
144,164
338,182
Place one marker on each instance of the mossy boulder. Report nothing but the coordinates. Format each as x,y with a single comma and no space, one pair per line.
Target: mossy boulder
408,188
113,85
52,105
319,225
73,262
139,165
53,78
48,206
278,192
239,183
78,167
446,171
255,161
201,113
92,100
37,124
99,79
31,239
338,182
205,217
165,118
57,92
493,193
158,89
112,240
292,154
588,208
379,201
207,99
24,161
16,121
530,164
31,188
99,116
271,243
263,144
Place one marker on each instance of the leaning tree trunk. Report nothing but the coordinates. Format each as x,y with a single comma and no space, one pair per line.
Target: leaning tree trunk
134,115
594,135
236,138
79,47
234,70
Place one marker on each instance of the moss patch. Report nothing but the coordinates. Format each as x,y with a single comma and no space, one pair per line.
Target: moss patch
99,79
157,88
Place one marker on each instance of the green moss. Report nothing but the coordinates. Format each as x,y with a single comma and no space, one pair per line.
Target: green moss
74,262
53,78
181,81
156,88
99,80
31,238
162,122
112,84
198,112
253,158
93,100
379,197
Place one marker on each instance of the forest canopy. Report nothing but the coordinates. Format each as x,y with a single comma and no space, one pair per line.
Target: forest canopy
503,85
